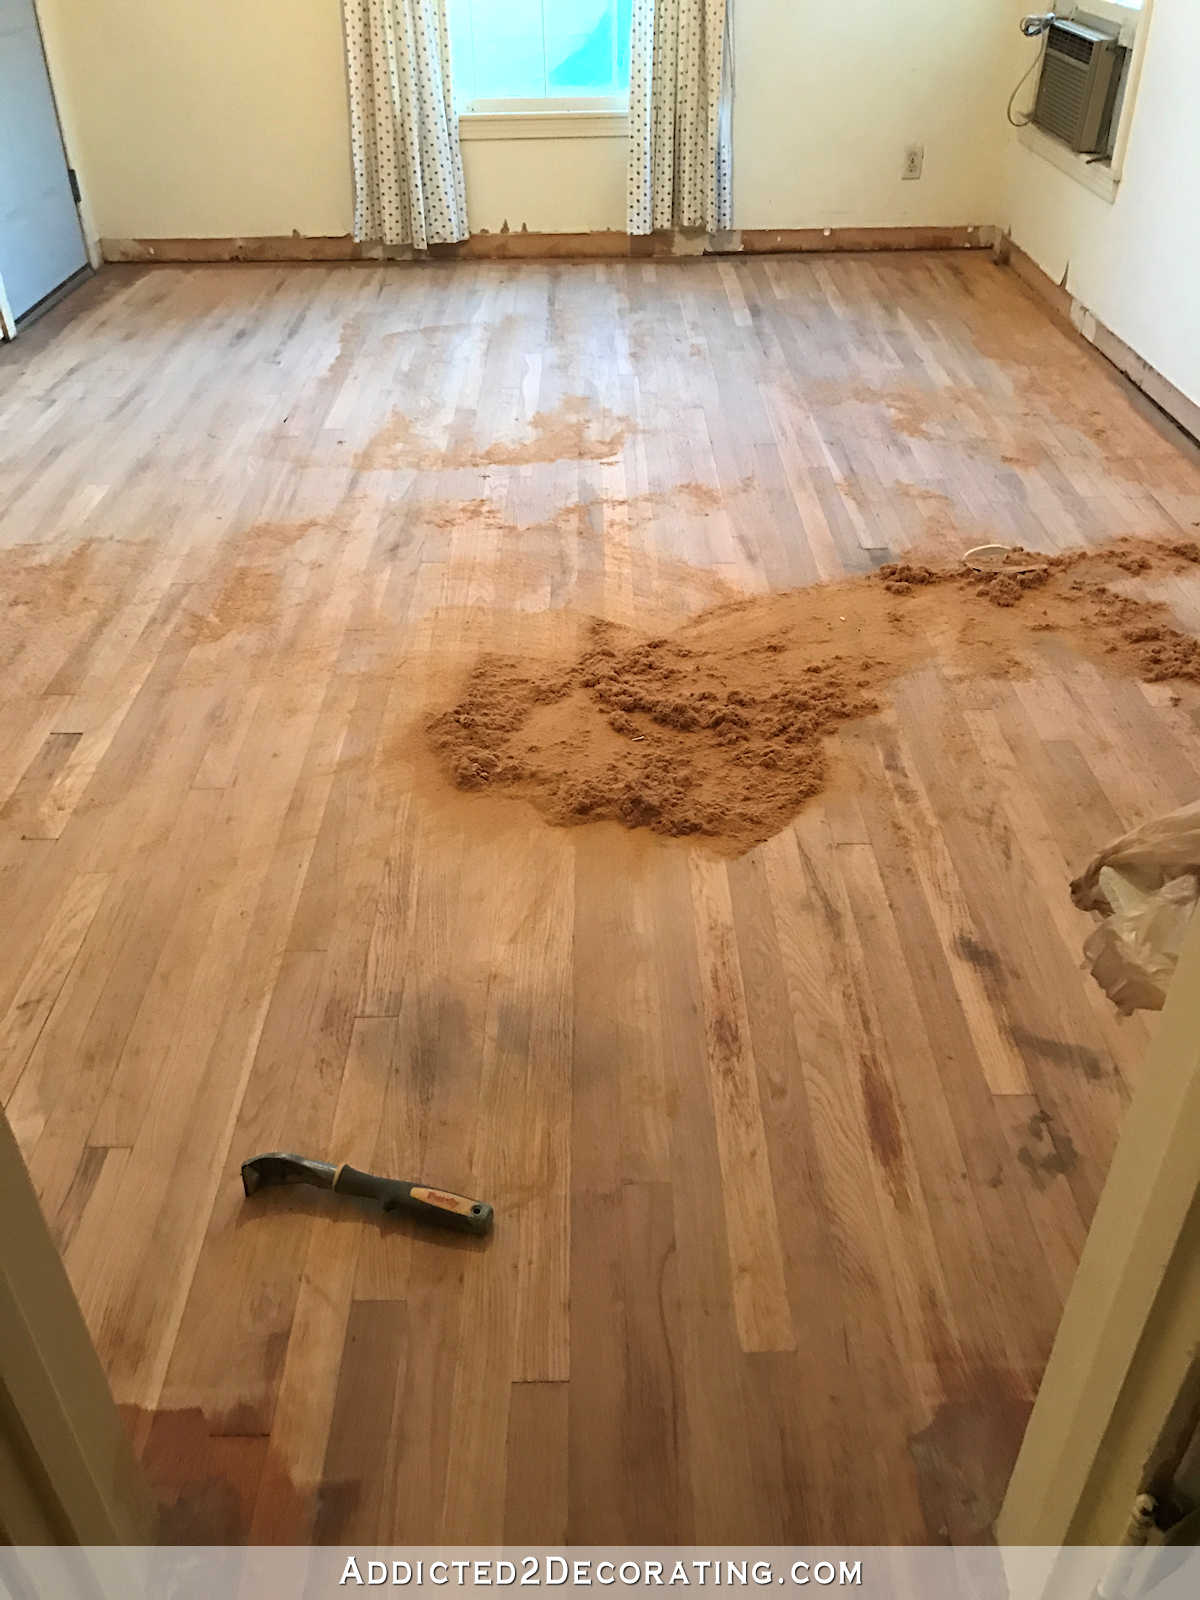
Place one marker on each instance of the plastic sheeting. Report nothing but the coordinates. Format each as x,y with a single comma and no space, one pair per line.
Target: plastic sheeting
1145,886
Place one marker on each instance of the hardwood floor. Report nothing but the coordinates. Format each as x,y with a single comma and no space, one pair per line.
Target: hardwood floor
792,1154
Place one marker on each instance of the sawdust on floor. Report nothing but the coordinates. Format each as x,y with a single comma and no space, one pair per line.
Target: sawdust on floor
718,728
1022,422
580,430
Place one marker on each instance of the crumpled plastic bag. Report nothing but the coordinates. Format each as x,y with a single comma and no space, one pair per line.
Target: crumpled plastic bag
1145,886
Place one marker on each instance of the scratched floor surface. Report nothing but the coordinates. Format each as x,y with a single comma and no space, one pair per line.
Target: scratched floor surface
791,1154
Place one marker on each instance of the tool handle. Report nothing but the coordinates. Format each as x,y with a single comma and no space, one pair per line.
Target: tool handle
418,1199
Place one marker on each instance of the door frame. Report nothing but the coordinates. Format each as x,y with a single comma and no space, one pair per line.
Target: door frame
68,1474
1131,1324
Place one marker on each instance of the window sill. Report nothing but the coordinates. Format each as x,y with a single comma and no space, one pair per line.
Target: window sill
1094,175
543,125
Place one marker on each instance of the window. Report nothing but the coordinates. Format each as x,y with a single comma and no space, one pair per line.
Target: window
1100,168
550,55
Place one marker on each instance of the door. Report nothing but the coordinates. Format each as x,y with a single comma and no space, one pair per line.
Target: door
41,241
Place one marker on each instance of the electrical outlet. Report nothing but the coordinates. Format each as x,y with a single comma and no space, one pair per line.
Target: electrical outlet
914,160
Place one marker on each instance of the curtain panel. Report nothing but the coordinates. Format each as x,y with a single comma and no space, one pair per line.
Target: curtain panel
408,174
679,116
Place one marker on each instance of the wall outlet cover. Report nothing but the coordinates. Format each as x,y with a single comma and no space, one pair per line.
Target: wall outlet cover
914,161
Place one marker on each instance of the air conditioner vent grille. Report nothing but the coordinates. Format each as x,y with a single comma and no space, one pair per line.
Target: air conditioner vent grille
1078,82
1067,42
1061,97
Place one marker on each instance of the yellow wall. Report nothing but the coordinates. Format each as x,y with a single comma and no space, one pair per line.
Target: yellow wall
205,118
829,92
218,118
545,185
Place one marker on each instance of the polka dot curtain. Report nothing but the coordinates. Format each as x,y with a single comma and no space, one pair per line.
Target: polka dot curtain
679,100
408,175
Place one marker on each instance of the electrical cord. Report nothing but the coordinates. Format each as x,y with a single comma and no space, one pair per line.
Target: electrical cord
1031,27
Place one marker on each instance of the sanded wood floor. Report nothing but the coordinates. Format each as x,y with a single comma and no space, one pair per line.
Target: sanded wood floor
791,1155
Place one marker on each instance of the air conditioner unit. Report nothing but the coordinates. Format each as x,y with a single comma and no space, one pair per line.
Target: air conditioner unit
1077,86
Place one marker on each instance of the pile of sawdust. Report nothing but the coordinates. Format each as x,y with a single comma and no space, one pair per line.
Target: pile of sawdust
719,728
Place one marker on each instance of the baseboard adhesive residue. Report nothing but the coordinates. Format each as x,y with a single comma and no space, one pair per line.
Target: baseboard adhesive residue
718,728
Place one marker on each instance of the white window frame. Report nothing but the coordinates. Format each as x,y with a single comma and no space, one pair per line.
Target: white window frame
578,122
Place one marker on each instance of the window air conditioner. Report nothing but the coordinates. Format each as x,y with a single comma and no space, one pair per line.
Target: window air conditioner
1077,86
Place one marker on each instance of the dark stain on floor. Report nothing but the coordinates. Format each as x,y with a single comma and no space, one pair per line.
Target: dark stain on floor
213,1488
965,1456
1049,1153
1059,1053
980,956
883,1125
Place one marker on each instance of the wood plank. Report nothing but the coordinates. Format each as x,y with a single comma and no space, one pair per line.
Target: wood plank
84,1036
655,1441
306,1406
25,805
353,1479
810,920
535,1502
46,974
752,1227
746,1499
821,1382
596,1462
